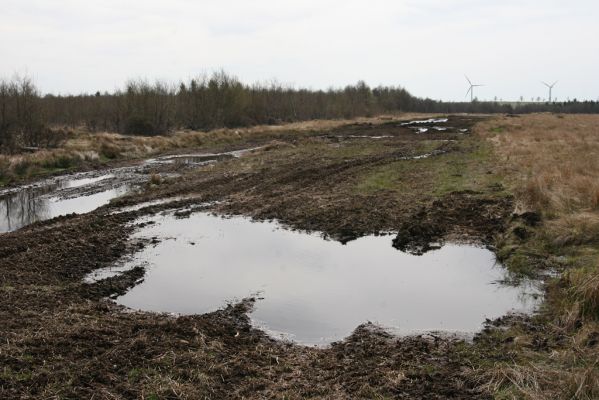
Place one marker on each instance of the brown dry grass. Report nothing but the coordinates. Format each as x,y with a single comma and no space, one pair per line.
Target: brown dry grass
553,158
561,376
551,163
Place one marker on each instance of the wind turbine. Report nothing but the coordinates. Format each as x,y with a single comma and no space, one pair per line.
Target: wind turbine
550,88
471,89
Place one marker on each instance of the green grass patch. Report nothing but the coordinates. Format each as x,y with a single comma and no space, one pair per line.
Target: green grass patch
520,266
387,177
470,168
467,166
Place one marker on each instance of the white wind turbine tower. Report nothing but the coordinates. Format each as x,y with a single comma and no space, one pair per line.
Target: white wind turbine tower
471,89
550,88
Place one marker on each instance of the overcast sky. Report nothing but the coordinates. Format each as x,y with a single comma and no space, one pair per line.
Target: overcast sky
426,46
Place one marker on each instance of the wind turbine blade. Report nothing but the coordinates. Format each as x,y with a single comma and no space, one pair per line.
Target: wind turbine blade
545,84
468,80
469,89
554,83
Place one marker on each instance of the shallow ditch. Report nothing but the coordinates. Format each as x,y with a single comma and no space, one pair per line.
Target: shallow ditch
315,291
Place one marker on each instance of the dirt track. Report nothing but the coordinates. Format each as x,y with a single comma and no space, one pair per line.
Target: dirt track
61,338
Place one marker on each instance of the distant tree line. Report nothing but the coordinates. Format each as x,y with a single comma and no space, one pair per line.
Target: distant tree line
487,107
218,100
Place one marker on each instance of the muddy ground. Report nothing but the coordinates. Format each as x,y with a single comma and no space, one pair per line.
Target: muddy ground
62,338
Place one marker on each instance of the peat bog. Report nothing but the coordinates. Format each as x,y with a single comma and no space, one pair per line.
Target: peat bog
354,185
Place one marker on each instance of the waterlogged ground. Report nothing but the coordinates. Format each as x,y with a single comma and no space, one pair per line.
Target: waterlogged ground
84,192
428,181
315,291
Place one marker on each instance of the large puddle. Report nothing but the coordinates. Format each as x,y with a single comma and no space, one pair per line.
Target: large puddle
315,291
